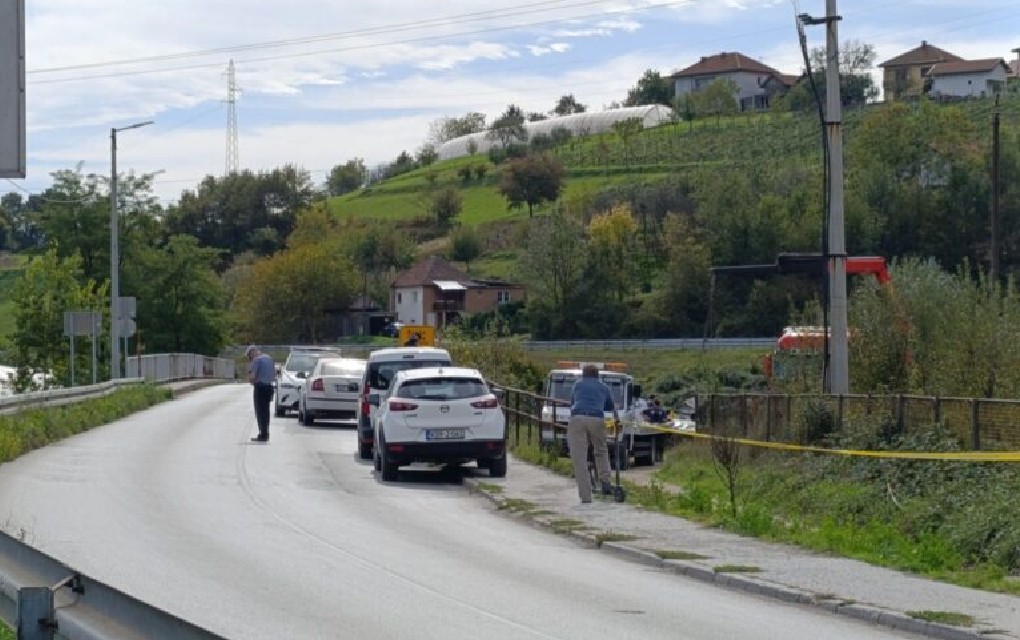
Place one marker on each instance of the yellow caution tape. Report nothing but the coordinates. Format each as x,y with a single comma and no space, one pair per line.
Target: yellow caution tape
965,456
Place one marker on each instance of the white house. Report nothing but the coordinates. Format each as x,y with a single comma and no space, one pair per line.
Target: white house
748,74
968,78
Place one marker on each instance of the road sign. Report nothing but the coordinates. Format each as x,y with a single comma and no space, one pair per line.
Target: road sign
82,323
128,307
127,327
12,88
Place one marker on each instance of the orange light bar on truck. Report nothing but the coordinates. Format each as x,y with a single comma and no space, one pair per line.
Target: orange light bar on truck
618,367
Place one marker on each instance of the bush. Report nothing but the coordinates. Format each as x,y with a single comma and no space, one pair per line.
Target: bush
818,420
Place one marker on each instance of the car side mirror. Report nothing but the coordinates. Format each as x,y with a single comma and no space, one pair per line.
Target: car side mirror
373,399
302,374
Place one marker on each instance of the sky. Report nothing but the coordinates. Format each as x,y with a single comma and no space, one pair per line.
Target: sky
324,81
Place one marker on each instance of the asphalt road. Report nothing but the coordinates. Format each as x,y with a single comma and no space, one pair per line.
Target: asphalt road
299,539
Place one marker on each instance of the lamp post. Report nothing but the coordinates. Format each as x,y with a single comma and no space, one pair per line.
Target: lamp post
115,254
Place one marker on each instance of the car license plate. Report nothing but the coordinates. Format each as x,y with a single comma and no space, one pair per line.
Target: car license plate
444,434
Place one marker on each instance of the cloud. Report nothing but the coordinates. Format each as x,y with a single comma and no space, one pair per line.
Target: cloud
555,47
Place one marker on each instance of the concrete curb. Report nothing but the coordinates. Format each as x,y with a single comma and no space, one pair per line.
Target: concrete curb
748,584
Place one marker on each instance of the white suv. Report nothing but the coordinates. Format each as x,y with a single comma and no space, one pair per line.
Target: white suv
439,414
291,377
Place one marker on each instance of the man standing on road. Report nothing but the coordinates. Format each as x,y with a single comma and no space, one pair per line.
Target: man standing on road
589,401
261,374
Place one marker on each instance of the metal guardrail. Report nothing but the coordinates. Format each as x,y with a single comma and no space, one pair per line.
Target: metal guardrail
55,397
164,367
659,343
44,599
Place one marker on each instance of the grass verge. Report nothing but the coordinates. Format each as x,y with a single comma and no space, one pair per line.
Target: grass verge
675,554
944,617
612,536
736,568
34,428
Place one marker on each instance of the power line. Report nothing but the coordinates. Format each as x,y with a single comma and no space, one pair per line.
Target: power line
367,46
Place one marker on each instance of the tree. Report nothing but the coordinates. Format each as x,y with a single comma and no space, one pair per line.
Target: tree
446,205
856,59
426,155
313,225
651,88
509,127
554,264
567,105
626,130
465,246
444,129
292,295
612,248
531,180
180,302
347,177
243,211
536,116
50,286
719,98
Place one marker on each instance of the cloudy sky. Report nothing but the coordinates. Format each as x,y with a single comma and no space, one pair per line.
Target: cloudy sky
323,81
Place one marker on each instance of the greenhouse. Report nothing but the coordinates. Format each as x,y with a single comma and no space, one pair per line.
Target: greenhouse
579,124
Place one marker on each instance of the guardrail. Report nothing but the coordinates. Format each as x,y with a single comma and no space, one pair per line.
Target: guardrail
164,367
54,397
44,599
659,343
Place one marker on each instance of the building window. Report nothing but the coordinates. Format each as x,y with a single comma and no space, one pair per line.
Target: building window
400,298
414,296
502,296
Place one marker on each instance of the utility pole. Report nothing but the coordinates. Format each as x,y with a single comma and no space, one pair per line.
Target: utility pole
232,153
993,271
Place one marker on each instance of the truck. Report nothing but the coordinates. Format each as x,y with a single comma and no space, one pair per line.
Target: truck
643,443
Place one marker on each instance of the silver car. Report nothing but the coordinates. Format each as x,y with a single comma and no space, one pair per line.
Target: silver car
332,391
291,377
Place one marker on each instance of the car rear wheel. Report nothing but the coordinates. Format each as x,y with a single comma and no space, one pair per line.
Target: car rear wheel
387,467
365,450
307,419
497,467
280,411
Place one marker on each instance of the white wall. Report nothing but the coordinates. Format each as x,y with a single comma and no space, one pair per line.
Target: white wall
967,84
748,83
408,304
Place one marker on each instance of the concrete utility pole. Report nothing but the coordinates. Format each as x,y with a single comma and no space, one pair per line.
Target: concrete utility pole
839,371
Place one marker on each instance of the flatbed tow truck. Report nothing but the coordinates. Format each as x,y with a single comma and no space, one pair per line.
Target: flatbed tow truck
643,441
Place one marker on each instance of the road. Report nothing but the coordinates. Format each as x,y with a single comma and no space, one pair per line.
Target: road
298,539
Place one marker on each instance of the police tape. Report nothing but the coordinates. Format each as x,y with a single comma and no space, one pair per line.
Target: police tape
960,456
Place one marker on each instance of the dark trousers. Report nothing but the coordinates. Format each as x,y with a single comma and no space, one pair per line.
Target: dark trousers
263,396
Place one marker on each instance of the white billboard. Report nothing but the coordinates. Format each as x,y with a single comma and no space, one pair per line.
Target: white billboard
12,88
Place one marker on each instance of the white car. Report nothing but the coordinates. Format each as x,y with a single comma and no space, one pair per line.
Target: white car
438,414
291,377
332,391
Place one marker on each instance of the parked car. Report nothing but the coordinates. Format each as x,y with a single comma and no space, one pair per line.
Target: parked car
292,374
439,414
332,391
383,365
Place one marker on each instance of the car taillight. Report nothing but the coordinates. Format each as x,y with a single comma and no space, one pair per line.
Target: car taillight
397,405
365,407
317,385
488,403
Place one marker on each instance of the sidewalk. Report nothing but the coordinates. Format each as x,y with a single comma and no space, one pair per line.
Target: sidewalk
845,587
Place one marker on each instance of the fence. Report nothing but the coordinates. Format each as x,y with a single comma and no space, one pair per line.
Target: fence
53,397
163,367
978,423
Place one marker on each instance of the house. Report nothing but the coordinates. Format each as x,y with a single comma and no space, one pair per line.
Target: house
1013,78
968,78
435,292
364,316
779,84
747,73
905,75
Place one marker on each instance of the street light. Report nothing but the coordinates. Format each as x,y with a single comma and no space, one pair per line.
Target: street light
115,254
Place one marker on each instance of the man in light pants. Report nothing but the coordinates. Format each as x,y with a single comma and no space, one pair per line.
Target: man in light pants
589,401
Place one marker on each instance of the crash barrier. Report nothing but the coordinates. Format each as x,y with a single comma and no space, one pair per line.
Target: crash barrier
53,397
978,423
164,367
43,600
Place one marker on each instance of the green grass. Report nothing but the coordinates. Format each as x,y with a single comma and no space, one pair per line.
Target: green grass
499,264
488,487
944,617
518,505
674,554
6,633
